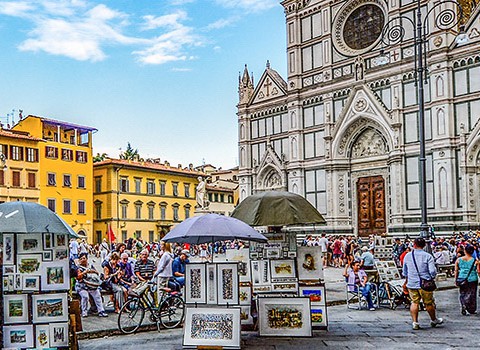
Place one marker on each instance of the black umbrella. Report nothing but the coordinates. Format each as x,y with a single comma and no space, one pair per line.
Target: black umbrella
26,217
210,228
277,208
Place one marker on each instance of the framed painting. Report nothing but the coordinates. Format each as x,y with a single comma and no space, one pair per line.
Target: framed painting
47,255
212,327
276,237
8,249
42,336
272,252
31,283
48,308
60,241
60,254
211,283
58,334
17,281
242,257
29,243
8,269
246,317
8,282
18,337
260,272
284,317
285,287
309,263
245,295
195,284
227,284
282,268
319,315
47,241
29,263
262,288
316,294
15,308
55,275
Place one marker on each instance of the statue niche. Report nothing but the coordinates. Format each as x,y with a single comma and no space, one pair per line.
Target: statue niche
369,143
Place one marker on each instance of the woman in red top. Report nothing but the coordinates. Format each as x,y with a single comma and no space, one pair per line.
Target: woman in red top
337,252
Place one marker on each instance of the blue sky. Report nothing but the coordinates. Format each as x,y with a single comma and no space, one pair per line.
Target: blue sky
161,74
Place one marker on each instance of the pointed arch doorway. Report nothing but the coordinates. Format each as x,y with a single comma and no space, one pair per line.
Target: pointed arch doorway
371,205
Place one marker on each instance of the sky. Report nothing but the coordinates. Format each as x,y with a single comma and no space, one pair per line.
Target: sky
160,74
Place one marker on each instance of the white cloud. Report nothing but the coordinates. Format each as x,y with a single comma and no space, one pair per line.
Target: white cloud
221,23
181,69
170,20
15,8
249,5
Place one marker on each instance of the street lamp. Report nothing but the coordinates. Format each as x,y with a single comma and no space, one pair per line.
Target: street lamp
446,15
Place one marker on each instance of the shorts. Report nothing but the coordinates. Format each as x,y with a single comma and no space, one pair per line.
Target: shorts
335,256
325,254
419,294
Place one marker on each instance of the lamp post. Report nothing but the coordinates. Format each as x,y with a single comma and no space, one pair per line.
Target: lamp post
446,15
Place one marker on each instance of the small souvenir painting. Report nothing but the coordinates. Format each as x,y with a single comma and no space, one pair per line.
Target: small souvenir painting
245,296
29,263
47,255
195,284
8,269
8,249
315,293
58,334
49,308
309,263
15,308
42,336
8,282
29,243
61,241
211,283
245,315
19,337
282,268
60,254
17,282
47,241
31,283
55,275
227,284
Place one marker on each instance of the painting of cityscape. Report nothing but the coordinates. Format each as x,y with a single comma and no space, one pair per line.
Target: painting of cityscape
15,308
212,327
18,336
49,308
286,317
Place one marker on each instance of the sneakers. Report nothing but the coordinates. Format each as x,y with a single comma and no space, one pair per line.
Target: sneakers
84,315
372,309
102,314
415,326
436,322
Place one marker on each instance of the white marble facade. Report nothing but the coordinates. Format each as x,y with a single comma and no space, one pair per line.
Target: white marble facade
339,118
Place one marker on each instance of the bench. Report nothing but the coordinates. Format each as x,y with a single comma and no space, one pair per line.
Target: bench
448,269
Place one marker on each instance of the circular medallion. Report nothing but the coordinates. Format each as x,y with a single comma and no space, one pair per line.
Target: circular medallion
358,26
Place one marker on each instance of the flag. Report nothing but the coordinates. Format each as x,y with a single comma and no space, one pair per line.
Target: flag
110,234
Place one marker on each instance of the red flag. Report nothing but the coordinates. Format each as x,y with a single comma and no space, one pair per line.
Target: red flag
110,235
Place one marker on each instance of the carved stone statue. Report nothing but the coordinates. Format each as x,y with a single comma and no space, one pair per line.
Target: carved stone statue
201,193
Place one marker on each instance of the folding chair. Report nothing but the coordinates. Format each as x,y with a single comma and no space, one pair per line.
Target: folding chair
355,299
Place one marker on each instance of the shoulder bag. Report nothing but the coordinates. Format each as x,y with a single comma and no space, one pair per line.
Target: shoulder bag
461,282
427,285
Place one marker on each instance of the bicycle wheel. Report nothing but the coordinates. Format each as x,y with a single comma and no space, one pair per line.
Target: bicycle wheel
131,316
172,311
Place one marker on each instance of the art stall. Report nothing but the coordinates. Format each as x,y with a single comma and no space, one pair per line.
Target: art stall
35,278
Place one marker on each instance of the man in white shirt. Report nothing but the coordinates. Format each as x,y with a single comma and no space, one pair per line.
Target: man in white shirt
74,250
323,242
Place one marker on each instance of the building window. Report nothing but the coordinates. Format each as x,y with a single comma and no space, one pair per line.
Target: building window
150,187
466,80
81,156
138,211
222,198
51,204
67,154
163,212
98,235
81,207
138,234
15,178
52,179
98,211
163,185
411,126
314,144
187,190
4,151
138,185
313,116
98,184
16,153
187,211
312,57
316,189
175,188
230,199
124,211
32,155
466,116
32,180
413,182
151,236
385,94
215,197
410,93
124,235
338,107
175,212
124,184
2,177
67,180
81,181
67,206
51,152
150,212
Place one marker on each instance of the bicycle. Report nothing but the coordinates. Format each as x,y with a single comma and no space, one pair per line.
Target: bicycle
168,314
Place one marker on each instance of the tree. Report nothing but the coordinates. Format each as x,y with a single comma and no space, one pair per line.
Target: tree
130,153
100,157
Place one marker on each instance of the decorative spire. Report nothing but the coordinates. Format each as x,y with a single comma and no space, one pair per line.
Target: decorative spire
245,86
268,64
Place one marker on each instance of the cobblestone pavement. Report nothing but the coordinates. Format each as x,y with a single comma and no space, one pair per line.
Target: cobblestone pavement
349,329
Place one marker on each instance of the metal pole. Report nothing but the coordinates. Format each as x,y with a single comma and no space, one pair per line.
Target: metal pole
424,232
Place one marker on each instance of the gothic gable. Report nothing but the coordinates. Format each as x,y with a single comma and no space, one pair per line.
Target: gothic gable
362,111
270,86
472,27
270,173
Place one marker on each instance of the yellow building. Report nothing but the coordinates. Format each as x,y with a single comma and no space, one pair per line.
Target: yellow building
222,190
19,166
141,199
65,176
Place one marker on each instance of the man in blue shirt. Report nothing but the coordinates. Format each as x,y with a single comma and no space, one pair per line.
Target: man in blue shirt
179,266
426,270
367,258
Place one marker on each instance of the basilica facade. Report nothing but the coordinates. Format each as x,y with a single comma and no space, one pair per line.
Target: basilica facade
341,128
